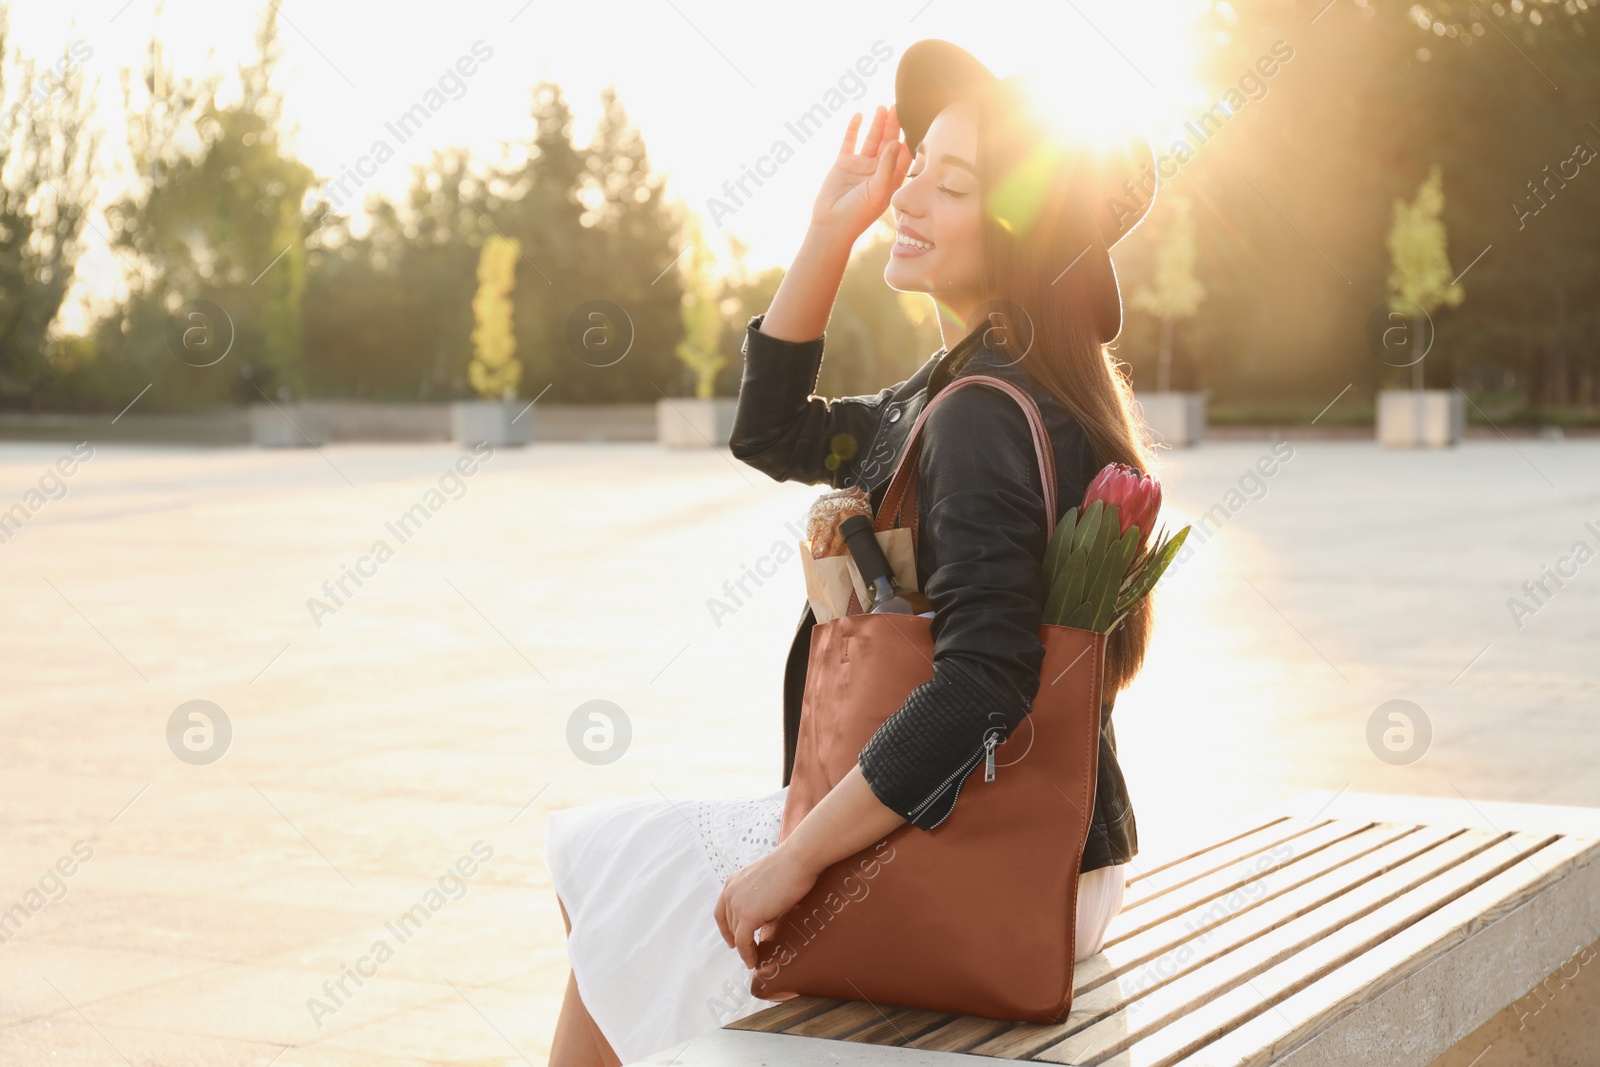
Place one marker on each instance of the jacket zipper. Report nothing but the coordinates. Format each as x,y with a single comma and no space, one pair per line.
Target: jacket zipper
957,773
959,776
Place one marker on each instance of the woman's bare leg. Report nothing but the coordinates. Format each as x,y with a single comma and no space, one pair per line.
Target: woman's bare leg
578,1041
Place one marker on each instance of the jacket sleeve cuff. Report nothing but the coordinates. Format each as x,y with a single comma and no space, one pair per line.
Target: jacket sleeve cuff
935,727
775,370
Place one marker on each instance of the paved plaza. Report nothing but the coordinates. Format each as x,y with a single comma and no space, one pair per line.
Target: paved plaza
392,645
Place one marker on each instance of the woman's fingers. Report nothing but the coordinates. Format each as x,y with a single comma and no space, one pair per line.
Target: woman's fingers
884,128
890,174
848,145
736,932
875,132
719,912
745,942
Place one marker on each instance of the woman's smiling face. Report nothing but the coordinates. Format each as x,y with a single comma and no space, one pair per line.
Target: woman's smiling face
937,215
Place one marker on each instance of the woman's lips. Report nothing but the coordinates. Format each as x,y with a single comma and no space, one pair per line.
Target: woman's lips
901,248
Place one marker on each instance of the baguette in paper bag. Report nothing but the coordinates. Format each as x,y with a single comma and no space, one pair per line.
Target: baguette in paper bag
829,569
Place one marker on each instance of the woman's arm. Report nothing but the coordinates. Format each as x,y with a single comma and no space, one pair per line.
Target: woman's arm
979,481
985,525
813,439
855,193
785,431
804,301
779,427
845,821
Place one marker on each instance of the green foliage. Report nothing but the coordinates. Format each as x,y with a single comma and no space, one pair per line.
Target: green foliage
1293,200
1094,573
46,187
1172,291
702,315
1295,237
221,222
495,369
594,224
875,337
1145,572
1418,249
389,312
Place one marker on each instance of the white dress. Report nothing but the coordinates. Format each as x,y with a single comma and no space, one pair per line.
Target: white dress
639,877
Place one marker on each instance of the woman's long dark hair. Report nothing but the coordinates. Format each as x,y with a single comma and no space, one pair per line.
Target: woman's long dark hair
1049,281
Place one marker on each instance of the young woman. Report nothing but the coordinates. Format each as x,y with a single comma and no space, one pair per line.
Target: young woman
1009,235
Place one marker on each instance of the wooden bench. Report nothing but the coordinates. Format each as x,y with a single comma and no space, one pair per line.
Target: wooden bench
1344,928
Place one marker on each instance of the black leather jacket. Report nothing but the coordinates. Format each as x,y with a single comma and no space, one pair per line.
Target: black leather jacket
981,545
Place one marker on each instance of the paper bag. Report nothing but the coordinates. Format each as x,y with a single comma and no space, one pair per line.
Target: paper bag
830,579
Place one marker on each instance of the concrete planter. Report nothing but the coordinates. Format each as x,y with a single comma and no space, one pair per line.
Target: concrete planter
1421,418
287,425
1174,419
363,420
597,422
693,422
490,422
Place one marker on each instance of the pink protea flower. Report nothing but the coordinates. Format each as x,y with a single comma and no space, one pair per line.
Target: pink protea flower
1137,497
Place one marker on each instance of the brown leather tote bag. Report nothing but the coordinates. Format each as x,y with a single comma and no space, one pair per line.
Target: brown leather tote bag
976,915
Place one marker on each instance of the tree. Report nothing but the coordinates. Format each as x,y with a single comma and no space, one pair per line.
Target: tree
636,237
536,202
702,315
495,369
1420,276
389,312
217,218
1173,293
46,150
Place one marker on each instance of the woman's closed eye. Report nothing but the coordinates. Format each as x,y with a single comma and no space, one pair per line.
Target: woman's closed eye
952,193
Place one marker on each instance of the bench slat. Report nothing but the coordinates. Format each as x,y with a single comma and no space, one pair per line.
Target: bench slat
1218,885
1117,1004
962,1033
1186,1001
1144,886
1221,996
1332,874
1261,827
846,1019
1263,1040
901,1026
778,1018
1275,946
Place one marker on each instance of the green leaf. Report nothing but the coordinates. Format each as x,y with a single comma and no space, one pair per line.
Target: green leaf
1097,563
1080,616
1055,554
1099,550
1152,572
1105,597
1108,605
1068,590
1089,527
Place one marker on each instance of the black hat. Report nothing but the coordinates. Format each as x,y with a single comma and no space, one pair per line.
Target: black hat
932,73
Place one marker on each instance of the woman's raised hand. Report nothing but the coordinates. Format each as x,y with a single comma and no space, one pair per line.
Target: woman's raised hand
857,189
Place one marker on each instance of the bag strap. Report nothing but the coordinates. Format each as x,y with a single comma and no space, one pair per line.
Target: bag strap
901,496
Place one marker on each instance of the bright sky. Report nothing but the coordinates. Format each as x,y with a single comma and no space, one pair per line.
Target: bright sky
709,83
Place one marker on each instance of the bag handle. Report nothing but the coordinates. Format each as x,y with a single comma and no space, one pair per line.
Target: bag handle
901,496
